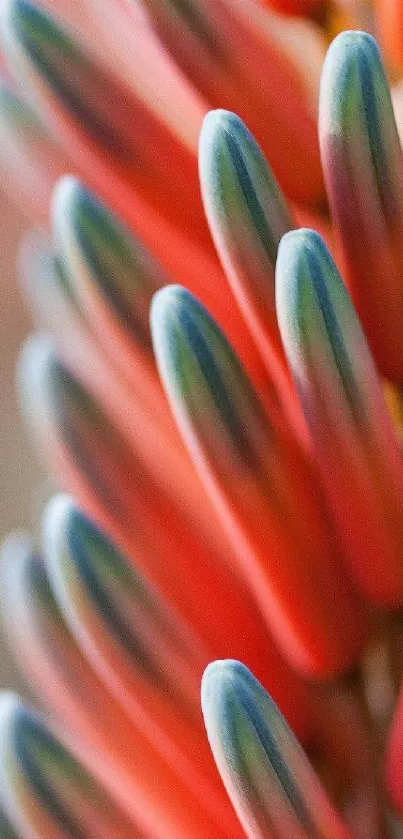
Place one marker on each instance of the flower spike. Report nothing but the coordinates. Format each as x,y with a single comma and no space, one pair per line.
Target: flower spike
248,216
44,790
272,786
363,166
262,486
353,438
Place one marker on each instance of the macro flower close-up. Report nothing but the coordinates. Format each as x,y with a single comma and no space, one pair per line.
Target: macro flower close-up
207,613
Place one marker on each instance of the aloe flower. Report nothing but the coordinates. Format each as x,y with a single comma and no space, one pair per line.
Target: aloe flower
213,262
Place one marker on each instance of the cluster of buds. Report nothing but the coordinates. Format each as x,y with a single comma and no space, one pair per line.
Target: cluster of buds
215,267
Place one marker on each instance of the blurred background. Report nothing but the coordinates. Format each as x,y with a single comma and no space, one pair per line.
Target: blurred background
21,481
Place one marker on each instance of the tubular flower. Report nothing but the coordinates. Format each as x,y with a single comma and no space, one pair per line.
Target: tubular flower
205,385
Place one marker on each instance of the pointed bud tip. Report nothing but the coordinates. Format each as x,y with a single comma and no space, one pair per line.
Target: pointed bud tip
300,237
352,43
67,194
60,514
307,282
36,354
219,680
66,528
293,249
224,138
219,120
165,303
221,671
352,61
182,330
35,363
74,214
224,683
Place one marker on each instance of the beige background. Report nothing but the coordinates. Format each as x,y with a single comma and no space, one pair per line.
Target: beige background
19,472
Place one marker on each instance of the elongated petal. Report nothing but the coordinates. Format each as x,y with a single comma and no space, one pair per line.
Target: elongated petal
339,389
153,792
268,778
138,147
148,658
248,216
363,168
45,791
226,53
262,486
104,259
30,161
112,277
